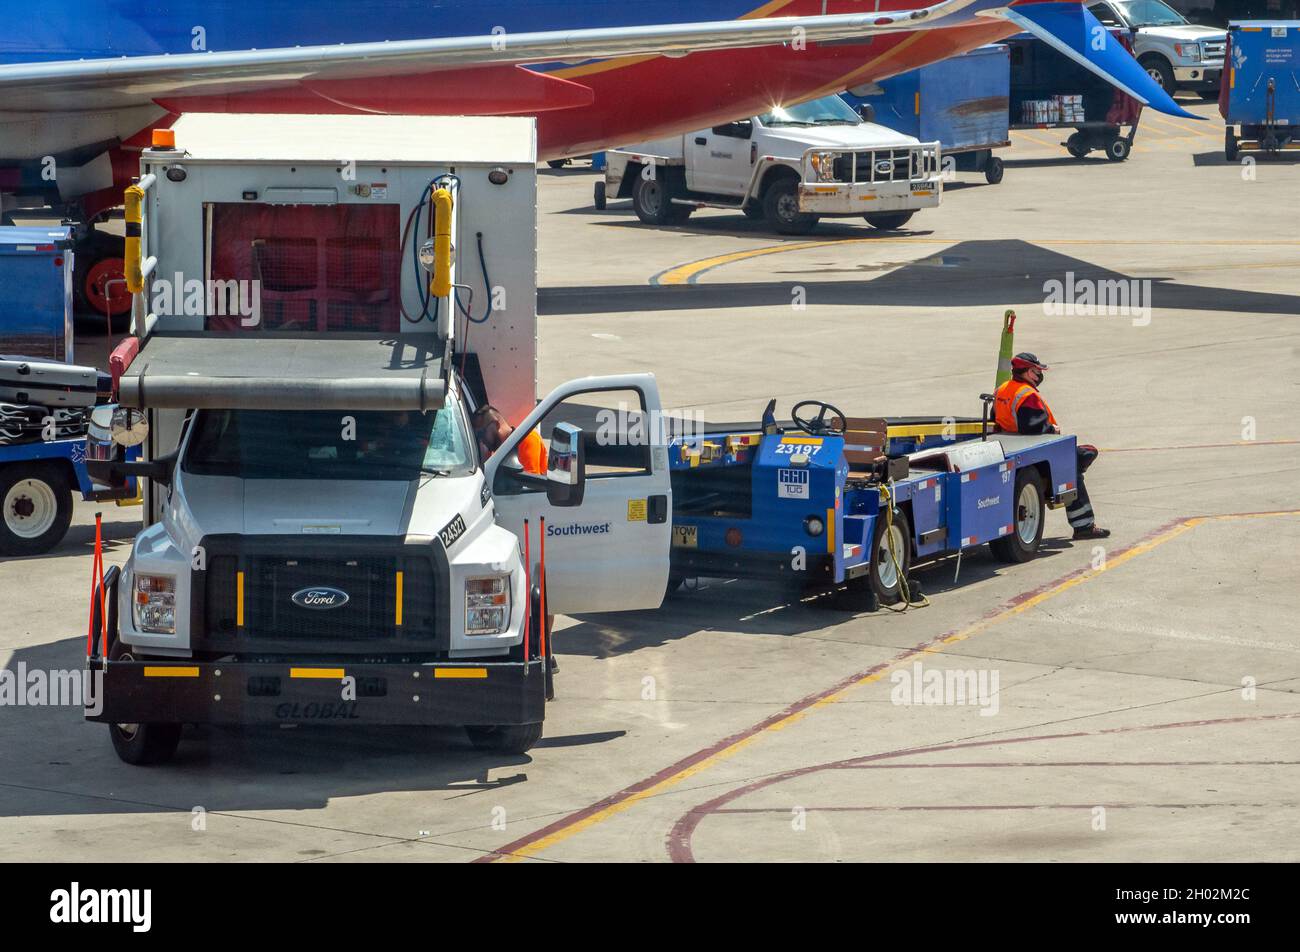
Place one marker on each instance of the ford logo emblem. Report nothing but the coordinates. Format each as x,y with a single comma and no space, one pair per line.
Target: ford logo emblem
884,166
320,598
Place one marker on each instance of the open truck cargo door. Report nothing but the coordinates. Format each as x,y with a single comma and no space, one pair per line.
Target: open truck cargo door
609,552
198,371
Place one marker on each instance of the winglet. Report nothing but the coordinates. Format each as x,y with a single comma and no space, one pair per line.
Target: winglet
1072,30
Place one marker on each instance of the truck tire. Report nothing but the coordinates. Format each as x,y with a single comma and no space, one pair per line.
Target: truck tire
1158,68
98,267
505,738
142,745
883,582
1230,150
598,196
1028,513
37,503
889,221
652,199
781,209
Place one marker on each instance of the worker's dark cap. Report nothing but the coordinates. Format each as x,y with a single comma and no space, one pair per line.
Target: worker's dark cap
1025,360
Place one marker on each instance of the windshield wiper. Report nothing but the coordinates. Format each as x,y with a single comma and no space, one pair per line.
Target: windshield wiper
834,122
430,471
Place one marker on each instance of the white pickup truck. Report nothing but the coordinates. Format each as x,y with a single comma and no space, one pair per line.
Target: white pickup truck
791,166
1176,54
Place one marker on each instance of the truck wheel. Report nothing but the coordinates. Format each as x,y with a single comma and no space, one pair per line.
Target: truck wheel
1077,145
781,209
1230,150
1117,150
37,508
1027,529
1160,70
994,171
889,221
505,738
599,196
652,201
884,579
142,744
98,270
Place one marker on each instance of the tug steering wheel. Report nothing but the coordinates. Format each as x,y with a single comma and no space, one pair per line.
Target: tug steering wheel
819,425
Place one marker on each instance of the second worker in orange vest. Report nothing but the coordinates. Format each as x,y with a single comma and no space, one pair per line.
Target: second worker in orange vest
1018,407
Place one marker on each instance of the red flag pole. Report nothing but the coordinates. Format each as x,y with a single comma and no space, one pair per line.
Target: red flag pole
528,594
541,621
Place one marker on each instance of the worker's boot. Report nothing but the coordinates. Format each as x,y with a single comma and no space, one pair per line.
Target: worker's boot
1091,532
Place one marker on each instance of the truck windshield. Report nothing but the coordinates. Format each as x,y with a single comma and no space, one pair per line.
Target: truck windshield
1149,13
829,110
318,444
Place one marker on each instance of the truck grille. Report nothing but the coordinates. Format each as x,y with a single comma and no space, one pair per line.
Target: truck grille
273,619
886,165
1213,49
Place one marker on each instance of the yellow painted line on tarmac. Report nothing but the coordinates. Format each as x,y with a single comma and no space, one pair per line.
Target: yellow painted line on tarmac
584,820
688,272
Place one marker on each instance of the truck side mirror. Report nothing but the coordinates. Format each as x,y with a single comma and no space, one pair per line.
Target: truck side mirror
867,112
566,466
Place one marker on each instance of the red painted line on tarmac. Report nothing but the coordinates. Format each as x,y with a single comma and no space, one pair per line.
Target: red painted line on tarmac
799,705
1198,446
679,838
976,807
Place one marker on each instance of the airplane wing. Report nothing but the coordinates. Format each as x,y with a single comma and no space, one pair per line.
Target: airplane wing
1072,30
134,80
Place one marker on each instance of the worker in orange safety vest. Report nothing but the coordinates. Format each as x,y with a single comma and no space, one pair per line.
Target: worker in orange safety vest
1018,407
492,429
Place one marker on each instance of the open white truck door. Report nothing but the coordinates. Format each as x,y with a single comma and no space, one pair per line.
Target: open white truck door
609,552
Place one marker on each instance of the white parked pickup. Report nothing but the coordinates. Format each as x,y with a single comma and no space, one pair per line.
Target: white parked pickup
791,166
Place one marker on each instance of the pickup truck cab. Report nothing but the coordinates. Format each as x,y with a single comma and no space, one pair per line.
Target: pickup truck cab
790,166
1175,53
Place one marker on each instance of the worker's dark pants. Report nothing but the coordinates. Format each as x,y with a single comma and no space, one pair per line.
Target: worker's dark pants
1079,512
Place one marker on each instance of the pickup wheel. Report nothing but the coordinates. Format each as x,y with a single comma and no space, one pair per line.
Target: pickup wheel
1158,68
142,744
505,738
889,221
781,209
37,505
652,201
1028,512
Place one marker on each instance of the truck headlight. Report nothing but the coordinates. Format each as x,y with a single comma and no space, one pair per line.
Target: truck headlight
1189,51
155,603
487,605
823,165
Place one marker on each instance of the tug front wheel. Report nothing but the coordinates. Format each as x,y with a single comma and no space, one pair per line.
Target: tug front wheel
1028,514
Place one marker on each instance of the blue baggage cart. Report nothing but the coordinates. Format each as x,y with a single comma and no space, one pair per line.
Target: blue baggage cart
960,102
1262,94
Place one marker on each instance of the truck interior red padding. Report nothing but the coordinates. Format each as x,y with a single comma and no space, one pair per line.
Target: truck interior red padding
320,268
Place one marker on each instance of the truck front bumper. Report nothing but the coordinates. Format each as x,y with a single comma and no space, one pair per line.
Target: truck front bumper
831,198
1204,76
492,693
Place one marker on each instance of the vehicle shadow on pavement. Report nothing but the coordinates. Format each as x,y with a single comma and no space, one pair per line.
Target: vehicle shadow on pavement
53,762
996,273
759,607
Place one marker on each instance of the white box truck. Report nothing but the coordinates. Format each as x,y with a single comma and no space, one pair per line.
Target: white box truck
791,166
325,303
